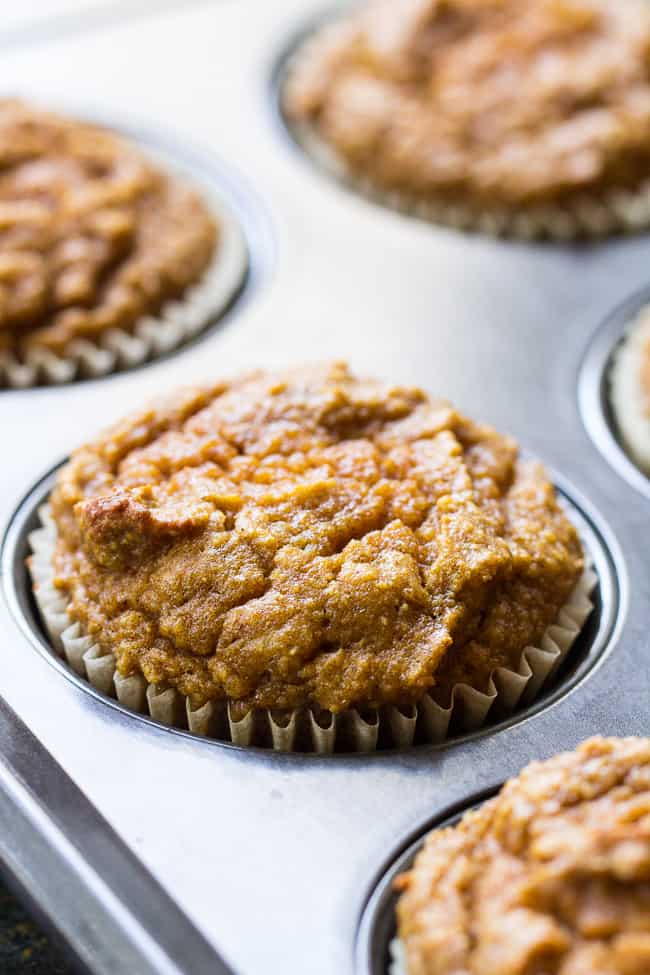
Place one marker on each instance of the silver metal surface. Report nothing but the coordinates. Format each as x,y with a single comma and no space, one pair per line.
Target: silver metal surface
271,856
41,21
108,908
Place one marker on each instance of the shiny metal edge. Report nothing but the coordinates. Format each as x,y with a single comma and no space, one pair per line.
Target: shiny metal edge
57,847
593,390
377,926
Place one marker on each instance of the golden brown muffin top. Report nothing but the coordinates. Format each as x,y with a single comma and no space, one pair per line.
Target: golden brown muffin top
552,877
308,538
495,102
93,236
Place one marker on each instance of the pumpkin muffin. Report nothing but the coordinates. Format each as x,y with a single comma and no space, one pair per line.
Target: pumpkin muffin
515,117
311,541
630,390
552,877
94,237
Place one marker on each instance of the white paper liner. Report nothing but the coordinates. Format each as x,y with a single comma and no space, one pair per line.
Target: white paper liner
626,393
586,216
178,321
303,730
397,958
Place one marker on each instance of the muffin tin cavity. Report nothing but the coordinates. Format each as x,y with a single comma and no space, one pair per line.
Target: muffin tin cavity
593,640
594,389
376,951
233,270
536,843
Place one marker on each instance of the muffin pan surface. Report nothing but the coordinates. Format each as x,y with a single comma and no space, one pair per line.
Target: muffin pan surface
272,856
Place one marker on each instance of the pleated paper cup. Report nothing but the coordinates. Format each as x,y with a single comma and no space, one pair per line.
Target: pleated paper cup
628,399
588,215
178,322
305,730
397,963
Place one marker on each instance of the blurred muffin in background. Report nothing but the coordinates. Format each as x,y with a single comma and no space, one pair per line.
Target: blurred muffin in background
508,116
95,239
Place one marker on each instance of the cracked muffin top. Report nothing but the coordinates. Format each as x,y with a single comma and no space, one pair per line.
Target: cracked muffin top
491,102
308,538
552,877
93,236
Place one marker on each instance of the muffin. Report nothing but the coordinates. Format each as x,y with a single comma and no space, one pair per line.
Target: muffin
630,390
96,241
522,118
552,877
339,554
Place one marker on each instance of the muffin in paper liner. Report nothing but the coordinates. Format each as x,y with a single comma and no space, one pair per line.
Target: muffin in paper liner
304,729
114,249
481,889
617,210
630,402
178,322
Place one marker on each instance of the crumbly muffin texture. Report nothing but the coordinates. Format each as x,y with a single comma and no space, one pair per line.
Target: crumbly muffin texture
488,102
93,236
552,877
310,539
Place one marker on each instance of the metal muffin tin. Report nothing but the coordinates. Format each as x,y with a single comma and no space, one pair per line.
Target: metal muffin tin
151,851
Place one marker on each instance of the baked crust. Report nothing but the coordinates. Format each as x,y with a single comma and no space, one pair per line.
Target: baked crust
310,539
93,236
551,877
499,104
